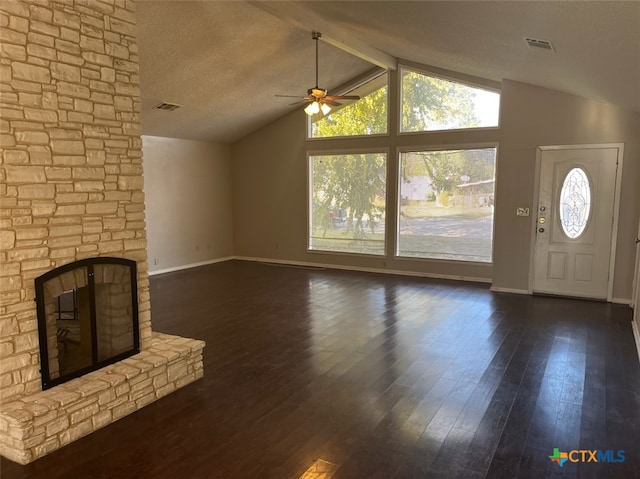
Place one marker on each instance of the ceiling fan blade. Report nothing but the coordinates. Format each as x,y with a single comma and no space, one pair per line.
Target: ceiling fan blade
343,97
296,103
331,102
289,96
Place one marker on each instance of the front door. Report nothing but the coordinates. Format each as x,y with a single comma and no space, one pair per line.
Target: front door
574,221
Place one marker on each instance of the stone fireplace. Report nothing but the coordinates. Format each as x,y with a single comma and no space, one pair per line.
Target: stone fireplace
87,317
71,190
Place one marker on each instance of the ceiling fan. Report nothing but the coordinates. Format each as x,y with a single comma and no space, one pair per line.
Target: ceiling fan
317,99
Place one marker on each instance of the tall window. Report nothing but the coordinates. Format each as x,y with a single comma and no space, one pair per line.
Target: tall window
444,198
347,203
430,103
367,116
446,204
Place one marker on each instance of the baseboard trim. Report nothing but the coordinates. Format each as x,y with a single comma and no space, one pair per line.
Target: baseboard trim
636,333
498,289
189,266
625,301
396,272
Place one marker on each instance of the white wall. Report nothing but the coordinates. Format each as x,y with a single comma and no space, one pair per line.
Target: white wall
187,188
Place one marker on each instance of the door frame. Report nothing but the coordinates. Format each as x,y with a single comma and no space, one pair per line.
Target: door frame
635,290
616,206
635,295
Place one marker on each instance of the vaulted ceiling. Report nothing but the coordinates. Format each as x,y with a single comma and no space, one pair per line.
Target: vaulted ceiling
224,61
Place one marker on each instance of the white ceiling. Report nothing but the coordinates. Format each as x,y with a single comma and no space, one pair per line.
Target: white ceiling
224,61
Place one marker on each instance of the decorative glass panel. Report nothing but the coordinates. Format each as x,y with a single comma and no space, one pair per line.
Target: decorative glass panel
575,203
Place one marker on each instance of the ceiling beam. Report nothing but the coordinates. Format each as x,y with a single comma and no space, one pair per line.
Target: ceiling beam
300,16
361,50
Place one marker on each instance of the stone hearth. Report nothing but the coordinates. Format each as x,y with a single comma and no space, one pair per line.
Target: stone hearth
34,425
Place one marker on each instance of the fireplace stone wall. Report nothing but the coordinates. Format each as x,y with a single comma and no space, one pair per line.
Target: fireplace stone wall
71,166
71,184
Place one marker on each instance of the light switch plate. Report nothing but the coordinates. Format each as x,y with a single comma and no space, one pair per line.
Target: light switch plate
521,211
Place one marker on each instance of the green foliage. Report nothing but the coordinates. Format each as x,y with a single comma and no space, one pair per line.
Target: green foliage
430,103
356,183
446,169
443,198
368,116
351,183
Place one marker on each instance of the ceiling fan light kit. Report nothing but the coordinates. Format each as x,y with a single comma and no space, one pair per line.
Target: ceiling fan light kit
312,108
317,98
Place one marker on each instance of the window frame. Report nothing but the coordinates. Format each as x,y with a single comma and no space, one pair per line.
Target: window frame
395,253
346,151
393,143
445,75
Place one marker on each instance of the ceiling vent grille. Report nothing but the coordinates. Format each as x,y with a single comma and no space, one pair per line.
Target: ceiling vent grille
539,44
167,106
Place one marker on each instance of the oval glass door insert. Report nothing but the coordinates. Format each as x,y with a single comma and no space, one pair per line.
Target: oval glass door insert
575,203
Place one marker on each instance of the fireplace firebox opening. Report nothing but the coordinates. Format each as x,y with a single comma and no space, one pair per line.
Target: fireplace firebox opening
87,317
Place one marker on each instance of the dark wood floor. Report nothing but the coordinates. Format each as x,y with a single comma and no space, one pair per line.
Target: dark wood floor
376,377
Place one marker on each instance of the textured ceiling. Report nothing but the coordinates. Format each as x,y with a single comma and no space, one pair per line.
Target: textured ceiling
225,60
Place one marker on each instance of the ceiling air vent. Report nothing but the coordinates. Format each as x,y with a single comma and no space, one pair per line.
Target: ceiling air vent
167,106
539,44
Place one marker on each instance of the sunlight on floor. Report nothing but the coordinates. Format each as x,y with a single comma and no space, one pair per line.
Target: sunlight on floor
320,469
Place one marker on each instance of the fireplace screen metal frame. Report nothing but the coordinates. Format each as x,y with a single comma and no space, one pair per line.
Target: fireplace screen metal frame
82,271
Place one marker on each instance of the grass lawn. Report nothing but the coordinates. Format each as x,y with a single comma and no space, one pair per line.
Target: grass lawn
343,241
443,240
445,247
412,246
429,209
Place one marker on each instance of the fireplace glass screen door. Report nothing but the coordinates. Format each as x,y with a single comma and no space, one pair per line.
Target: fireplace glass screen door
87,317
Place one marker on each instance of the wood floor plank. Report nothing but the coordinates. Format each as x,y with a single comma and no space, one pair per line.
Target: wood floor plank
372,376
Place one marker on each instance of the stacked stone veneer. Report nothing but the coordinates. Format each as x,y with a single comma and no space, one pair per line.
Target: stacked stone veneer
70,188
113,301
